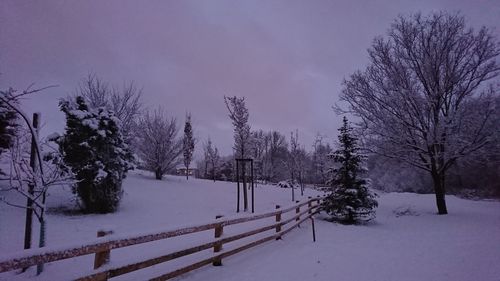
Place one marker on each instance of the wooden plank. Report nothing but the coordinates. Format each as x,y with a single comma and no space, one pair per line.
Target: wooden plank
8,265
140,265
183,270
207,261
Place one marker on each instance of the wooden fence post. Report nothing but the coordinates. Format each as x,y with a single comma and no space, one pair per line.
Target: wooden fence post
278,219
297,211
219,229
313,229
101,258
309,204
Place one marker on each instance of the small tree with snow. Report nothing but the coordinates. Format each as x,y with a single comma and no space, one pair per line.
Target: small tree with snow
188,144
349,200
238,113
94,148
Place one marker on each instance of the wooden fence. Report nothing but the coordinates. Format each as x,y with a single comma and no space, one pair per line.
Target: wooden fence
102,250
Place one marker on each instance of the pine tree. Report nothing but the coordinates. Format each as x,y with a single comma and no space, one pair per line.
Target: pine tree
94,148
8,124
188,144
349,200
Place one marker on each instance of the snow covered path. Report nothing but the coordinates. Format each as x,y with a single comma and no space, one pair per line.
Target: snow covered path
407,241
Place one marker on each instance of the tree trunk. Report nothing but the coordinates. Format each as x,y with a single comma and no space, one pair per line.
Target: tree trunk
439,189
213,172
158,174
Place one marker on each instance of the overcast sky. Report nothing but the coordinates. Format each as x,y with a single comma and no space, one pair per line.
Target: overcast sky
288,58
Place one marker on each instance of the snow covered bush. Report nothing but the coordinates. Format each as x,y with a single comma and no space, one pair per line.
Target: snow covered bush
348,200
94,148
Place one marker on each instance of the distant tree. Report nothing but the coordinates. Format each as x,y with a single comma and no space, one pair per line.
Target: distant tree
188,144
94,149
259,147
295,162
157,143
423,98
348,199
276,156
212,158
319,161
125,102
238,113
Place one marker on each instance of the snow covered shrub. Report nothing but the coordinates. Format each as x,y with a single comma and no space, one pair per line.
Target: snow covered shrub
8,123
348,200
93,147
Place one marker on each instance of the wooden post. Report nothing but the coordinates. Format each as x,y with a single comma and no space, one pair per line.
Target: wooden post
238,187
31,187
219,229
309,204
313,229
253,197
101,258
244,180
278,219
297,211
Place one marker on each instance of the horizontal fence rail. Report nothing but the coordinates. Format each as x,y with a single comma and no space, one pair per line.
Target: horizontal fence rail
103,247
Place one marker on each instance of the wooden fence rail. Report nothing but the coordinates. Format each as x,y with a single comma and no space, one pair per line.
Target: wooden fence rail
102,249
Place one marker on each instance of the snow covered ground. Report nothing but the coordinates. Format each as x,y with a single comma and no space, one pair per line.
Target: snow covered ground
407,241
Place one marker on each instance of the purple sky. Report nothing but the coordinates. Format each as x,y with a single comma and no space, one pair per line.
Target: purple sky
287,58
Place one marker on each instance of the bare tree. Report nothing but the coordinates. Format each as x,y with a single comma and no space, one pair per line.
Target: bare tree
211,157
239,117
320,160
157,142
295,162
29,174
423,97
124,102
275,156
259,146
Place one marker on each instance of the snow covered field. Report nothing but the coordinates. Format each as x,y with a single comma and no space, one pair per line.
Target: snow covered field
407,241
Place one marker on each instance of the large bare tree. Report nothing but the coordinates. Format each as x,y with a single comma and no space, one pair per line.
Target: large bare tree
157,143
424,97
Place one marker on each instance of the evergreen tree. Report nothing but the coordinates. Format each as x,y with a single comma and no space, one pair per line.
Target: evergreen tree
349,199
188,144
94,148
8,123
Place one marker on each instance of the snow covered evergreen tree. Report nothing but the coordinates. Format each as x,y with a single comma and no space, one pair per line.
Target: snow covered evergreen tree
188,144
8,122
94,148
349,200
